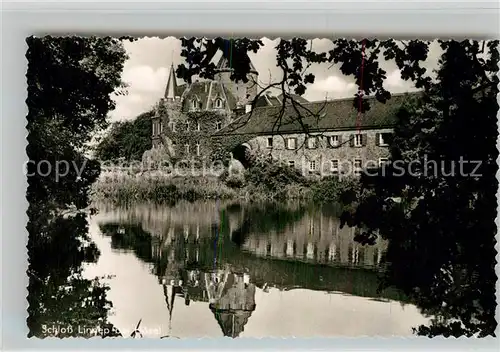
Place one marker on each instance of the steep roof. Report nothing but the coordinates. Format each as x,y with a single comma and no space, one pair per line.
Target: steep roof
206,92
273,100
172,90
224,62
317,116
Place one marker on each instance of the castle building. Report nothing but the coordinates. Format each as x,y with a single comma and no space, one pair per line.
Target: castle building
188,115
191,119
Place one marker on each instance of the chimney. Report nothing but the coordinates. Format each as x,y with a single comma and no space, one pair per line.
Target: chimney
248,108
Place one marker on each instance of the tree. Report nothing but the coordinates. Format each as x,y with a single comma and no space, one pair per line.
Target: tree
442,235
128,139
70,82
440,227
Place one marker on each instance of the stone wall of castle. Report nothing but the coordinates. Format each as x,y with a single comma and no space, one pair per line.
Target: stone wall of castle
328,153
243,92
186,135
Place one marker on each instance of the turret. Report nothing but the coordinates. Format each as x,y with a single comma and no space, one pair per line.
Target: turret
172,90
243,92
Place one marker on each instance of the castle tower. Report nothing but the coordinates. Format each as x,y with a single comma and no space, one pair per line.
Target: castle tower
168,110
232,303
244,93
172,90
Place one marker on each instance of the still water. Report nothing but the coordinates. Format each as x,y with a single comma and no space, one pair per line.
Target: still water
212,269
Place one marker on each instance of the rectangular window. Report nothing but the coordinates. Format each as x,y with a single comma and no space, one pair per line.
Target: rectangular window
198,127
161,127
383,139
334,141
311,142
291,143
218,126
198,149
357,166
173,126
187,126
291,163
154,128
312,165
358,140
270,142
187,148
334,166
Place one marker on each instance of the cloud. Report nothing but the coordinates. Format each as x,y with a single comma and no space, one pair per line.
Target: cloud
145,78
146,73
334,84
145,87
394,80
150,58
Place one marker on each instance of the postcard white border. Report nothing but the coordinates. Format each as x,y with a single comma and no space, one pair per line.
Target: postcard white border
425,19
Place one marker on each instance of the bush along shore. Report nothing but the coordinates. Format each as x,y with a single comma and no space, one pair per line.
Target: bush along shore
264,181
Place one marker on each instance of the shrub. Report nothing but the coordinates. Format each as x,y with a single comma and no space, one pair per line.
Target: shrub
235,181
334,189
274,176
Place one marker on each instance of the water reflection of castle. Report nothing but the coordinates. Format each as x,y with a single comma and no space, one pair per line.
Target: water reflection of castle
316,238
231,296
221,257
312,237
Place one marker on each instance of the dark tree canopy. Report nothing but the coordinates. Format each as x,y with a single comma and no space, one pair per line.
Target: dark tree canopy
70,81
440,226
126,139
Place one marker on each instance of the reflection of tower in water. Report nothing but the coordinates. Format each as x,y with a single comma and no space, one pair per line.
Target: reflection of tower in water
230,296
232,300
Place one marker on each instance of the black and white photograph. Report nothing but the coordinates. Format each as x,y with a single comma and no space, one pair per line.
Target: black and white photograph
240,187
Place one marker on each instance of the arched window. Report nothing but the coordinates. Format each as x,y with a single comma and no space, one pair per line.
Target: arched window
194,104
218,103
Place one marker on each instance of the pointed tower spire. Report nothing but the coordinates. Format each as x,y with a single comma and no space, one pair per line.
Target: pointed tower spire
226,59
171,90
170,305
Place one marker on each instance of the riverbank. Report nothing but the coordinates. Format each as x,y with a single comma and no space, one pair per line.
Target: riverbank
252,186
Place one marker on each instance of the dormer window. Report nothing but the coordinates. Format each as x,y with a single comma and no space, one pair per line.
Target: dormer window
218,103
334,141
270,142
312,143
383,139
291,143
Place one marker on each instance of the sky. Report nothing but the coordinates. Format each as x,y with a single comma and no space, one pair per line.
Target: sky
146,73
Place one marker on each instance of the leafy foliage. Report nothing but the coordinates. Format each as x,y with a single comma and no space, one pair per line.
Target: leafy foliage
295,57
440,228
442,231
70,80
128,140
